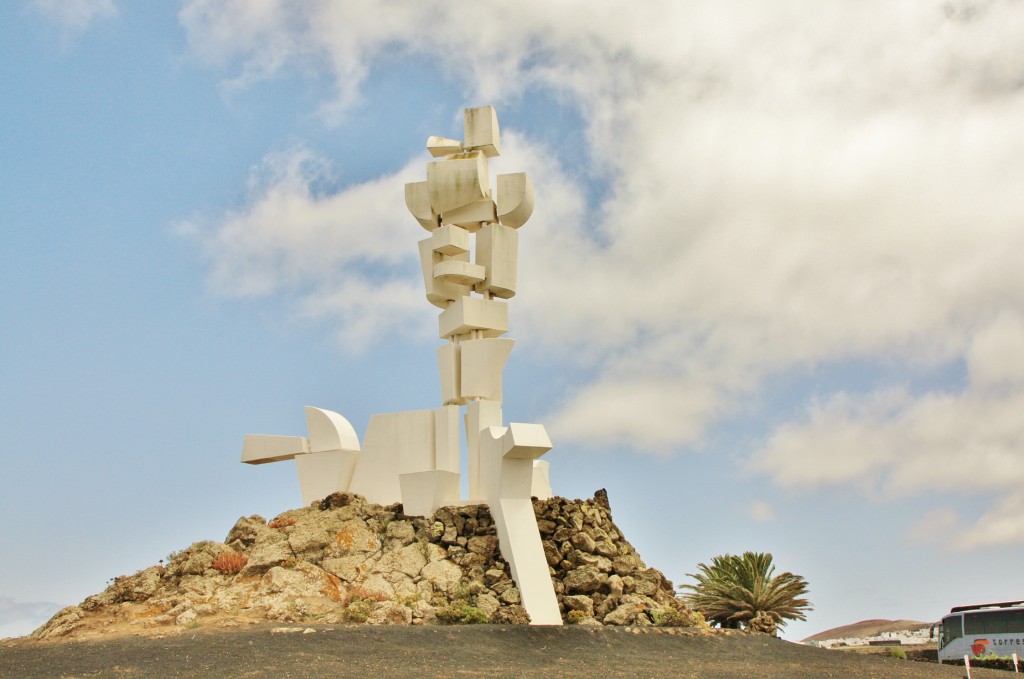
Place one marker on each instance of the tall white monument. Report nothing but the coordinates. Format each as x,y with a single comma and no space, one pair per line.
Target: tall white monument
469,264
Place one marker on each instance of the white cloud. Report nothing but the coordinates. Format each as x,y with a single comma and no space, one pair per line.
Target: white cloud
995,357
18,618
894,443
74,17
898,444
349,255
760,511
644,413
938,525
790,186
1003,525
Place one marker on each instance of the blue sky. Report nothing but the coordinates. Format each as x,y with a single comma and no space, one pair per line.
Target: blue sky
770,297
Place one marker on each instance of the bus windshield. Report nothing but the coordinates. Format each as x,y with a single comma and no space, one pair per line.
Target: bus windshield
952,628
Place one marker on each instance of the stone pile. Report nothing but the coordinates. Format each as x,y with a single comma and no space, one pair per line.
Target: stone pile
598,576
344,560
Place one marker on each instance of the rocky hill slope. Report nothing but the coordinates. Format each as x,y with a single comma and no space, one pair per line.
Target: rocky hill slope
346,560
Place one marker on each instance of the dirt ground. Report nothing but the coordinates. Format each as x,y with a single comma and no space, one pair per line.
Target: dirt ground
441,652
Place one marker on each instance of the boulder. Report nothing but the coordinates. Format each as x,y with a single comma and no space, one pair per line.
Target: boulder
402,532
579,602
583,580
263,556
624,614
390,613
443,575
409,560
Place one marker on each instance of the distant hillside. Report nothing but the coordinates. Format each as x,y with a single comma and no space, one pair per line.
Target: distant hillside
868,628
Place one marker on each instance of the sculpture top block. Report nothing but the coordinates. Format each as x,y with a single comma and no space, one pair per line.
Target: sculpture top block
457,190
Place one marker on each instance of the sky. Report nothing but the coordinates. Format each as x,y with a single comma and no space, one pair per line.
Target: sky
771,296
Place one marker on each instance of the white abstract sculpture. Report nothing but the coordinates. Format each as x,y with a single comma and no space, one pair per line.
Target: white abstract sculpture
325,460
413,457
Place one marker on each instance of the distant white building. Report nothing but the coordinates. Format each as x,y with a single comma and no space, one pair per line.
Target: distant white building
895,638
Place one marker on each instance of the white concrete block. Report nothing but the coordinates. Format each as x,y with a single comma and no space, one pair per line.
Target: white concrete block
451,240
424,492
417,199
441,146
515,199
448,366
459,272
447,439
490,464
457,181
480,415
520,544
472,216
329,431
261,448
516,479
440,293
525,441
482,362
323,473
497,251
541,486
481,130
507,484
466,314
395,443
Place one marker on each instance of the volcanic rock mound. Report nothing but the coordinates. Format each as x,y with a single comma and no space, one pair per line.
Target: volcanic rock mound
344,560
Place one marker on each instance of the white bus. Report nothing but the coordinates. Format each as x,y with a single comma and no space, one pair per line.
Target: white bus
987,630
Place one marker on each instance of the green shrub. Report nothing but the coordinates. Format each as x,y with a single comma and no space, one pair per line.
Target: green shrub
897,652
467,592
461,614
670,617
471,615
358,611
576,617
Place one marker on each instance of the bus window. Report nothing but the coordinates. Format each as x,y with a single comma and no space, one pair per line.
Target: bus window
951,629
993,622
975,623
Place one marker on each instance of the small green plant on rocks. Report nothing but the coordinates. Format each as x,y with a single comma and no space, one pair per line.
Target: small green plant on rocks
897,652
670,617
467,592
463,609
358,611
576,617
408,600
471,615
460,613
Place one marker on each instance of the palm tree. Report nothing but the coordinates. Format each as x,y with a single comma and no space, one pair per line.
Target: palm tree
742,591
